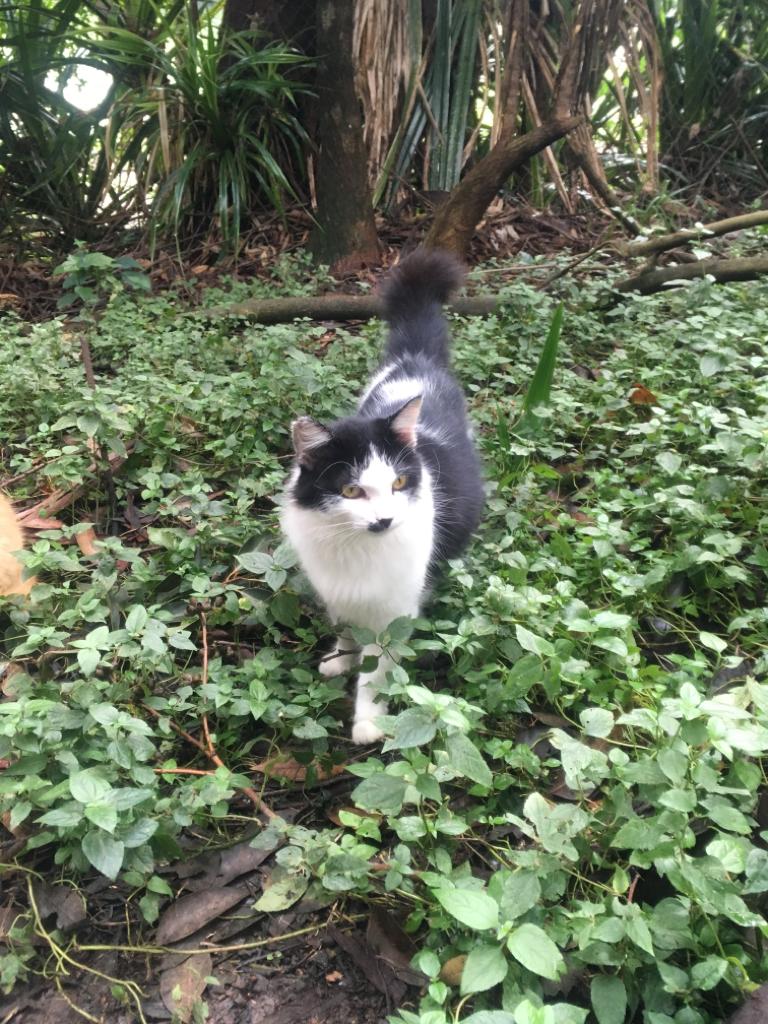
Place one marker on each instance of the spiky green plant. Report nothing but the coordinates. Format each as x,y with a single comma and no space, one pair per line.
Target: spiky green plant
53,172
213,126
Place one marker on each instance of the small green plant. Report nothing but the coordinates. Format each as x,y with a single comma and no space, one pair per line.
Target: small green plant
93,277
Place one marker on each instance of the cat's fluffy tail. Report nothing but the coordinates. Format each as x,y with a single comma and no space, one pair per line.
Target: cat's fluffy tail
413,296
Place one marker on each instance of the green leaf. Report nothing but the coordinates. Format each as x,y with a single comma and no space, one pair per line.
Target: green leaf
472,907
486,1017
516,892
105,853
670,462
309,729
380,792
679,800
596,721
613,644
639,932
256,562
714,643
89,786
708,973
639,834
485,967
609,999
730,818
275,577
104,714
533,948
412,728
136,619
467,759
88,658
19,812
103,815
525,674
756,871
63,817
285,888
531,642
730,852
539,389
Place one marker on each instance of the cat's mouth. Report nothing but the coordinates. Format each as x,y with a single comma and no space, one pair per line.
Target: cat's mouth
381,526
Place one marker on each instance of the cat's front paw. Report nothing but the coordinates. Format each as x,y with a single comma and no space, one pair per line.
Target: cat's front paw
365,730
336,665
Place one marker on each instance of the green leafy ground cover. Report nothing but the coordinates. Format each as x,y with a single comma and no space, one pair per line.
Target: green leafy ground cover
570,791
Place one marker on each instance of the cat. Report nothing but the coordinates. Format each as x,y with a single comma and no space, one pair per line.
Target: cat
11,541
377,499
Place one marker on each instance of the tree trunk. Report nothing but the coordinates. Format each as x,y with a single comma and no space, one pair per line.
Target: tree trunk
345,236
457,218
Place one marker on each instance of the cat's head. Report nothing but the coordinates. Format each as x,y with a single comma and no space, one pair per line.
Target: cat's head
364,473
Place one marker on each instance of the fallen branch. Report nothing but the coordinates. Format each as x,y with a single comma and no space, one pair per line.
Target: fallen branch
333,307
745,269
58,500
704,231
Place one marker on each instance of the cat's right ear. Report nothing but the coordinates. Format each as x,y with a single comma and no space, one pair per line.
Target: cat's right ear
308,436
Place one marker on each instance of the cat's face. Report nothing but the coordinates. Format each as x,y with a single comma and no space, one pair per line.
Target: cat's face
361,474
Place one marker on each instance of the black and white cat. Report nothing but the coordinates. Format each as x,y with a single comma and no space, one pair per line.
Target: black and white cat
375,500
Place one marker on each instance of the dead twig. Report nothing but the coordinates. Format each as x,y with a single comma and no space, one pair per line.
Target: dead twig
206,747
60,499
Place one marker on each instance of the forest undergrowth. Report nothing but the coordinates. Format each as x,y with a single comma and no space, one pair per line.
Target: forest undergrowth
567,820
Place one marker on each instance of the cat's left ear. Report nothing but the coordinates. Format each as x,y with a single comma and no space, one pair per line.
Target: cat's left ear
403,424
308,435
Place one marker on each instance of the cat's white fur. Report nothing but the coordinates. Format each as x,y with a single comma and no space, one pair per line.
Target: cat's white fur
366,579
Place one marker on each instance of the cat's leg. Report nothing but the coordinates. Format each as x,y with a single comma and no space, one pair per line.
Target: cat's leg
344,656
367,707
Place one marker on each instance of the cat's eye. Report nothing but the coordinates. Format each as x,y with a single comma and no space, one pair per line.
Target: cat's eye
400,482
352,491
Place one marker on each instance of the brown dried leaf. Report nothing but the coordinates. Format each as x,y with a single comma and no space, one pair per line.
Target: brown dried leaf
10,671
8,916
35,522
223,867
452,970
376,970
182,986
87,541
191,912
286,767
65,903
393,945
640,395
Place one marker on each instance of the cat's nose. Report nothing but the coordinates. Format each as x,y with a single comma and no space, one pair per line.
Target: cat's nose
380,525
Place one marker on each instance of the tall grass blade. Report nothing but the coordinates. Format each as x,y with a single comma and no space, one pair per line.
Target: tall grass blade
540,388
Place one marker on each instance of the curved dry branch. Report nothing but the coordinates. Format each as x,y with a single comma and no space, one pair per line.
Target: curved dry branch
745,269
717,227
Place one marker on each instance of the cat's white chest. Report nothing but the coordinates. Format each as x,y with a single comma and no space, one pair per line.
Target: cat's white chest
365,579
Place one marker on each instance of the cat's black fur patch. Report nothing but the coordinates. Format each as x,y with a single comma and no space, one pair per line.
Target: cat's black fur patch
338,463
